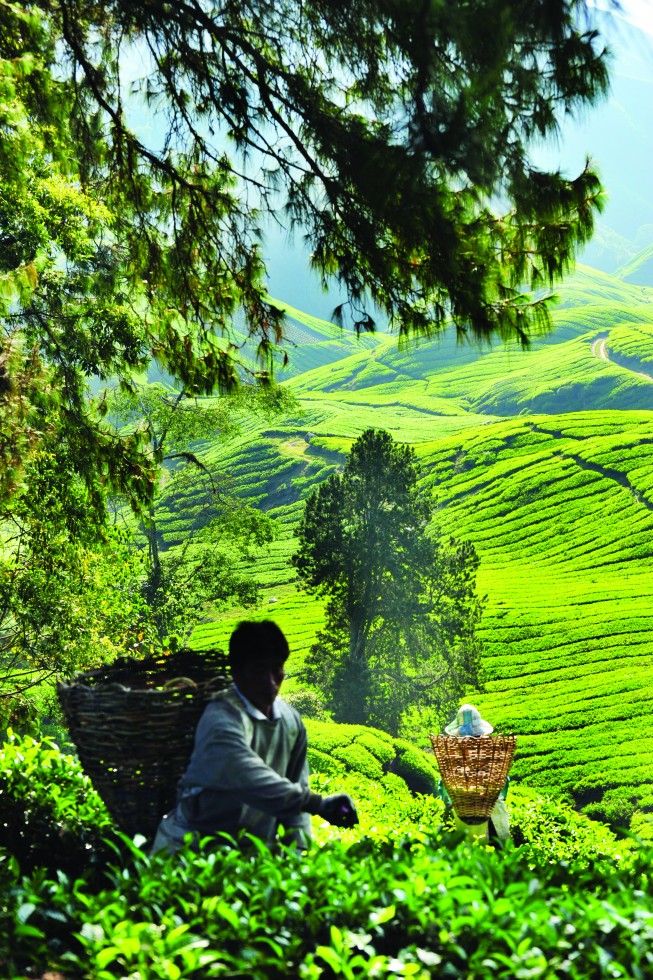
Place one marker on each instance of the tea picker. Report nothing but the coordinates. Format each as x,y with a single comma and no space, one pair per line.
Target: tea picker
474,766
248,771
173,734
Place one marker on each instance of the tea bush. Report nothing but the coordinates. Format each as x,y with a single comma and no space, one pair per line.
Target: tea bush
310,704
399,895
50,815
359,759
373,753
410,907
419,770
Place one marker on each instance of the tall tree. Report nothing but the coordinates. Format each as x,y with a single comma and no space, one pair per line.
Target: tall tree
394,136
401,608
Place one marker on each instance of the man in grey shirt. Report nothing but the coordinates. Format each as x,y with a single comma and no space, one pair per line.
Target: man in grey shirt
248,771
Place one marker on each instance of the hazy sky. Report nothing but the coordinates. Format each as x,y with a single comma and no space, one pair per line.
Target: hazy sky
613,133
638,12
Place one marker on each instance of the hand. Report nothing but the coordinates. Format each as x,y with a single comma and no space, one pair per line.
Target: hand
339,810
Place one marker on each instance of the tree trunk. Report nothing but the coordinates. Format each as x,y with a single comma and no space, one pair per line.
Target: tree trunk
352,679
153,581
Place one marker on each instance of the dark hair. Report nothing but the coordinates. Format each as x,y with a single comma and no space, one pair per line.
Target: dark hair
262,640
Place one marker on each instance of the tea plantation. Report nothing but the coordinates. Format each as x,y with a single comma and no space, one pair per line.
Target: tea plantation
544,459
401,895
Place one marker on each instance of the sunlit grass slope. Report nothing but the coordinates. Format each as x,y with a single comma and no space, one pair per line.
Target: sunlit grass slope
630,346
559,503
561,511
587,286
311,342
443,380
639,270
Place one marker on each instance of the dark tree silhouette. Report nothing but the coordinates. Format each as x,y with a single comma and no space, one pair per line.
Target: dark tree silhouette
402,607
393,136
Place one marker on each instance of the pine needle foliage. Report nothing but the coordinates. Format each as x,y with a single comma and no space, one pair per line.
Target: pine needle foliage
394,137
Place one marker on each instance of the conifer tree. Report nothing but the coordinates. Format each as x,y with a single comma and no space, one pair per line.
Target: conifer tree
402,608
394,137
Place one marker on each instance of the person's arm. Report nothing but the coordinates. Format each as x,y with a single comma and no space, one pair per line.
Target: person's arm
298,828
224,761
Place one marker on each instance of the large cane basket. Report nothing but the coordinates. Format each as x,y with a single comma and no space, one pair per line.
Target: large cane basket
133,724
474,771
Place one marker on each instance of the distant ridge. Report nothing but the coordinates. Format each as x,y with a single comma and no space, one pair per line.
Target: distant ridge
638,271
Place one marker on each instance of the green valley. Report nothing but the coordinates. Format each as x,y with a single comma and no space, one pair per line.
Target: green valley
443,496
544,459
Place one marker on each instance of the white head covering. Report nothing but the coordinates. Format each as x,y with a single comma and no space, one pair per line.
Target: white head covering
469,722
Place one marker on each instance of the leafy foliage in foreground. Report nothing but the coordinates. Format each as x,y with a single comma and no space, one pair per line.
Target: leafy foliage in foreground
409,907
401,894
50,815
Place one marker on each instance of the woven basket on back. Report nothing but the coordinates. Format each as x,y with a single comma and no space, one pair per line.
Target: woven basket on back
133,724
474,771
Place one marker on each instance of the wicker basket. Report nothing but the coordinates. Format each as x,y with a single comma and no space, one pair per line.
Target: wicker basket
133,724
474,771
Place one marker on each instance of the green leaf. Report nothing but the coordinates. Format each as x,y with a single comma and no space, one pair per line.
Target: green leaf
24,911
380,916
110,954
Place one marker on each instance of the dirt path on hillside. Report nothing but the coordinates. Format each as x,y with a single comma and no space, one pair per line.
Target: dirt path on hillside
294,447
600,351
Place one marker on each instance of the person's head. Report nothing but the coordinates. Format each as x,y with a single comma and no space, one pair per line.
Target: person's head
257,654
469,722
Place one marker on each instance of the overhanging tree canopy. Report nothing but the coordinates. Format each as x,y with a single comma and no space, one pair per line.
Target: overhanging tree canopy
386,130
394,135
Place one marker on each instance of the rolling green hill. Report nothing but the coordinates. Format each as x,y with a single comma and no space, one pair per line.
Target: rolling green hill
544,459
639,270
561,512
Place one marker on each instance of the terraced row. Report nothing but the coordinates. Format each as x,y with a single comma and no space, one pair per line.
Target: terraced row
559,506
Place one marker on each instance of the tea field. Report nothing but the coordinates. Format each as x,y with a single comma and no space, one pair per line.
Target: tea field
544,459
401,894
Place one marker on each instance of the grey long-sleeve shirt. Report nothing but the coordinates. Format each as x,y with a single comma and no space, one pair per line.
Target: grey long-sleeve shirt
247,772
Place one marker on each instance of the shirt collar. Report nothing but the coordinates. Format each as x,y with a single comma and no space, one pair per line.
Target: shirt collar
254,712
